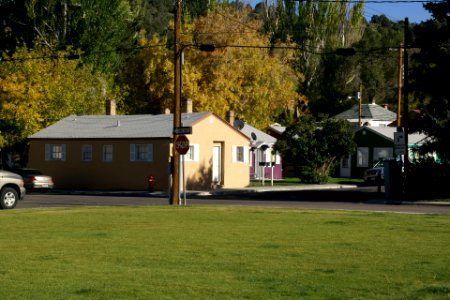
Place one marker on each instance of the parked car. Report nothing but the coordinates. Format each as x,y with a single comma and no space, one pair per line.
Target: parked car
34,179
12,189
375,173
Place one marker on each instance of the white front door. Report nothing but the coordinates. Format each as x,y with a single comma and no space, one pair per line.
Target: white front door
217,163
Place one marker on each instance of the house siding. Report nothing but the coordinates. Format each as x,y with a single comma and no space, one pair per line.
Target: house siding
207,133
120,173
370,140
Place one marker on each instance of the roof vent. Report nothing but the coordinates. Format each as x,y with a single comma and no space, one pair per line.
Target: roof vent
118,123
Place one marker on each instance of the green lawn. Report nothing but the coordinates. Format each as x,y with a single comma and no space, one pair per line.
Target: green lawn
222,253
295,181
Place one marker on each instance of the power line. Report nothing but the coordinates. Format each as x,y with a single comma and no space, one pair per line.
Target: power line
379,1
339,51
78,56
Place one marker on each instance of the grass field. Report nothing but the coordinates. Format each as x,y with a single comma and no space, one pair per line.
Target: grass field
222,253
295,181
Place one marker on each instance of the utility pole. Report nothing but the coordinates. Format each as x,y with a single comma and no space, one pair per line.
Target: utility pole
175,193
399,85
405,105
360,105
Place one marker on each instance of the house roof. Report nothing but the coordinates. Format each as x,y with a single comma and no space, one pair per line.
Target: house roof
116,126
277,128
388,133
257,137
368,111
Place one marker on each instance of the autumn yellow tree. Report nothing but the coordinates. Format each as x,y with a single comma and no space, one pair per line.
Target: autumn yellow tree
148,79
242,74
38,88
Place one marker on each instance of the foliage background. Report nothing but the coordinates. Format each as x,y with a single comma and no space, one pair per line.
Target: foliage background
273,62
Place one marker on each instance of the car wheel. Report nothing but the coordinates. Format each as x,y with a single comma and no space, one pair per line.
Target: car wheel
8,198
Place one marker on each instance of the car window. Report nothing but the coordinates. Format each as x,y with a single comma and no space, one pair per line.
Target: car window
32,172
379,164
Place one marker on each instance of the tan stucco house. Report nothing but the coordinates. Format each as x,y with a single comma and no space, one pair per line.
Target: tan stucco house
122,151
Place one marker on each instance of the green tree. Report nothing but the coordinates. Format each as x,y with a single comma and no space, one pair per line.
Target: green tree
313,148
317,26
338,83
153,17
429,79
378,59
15,28
97,27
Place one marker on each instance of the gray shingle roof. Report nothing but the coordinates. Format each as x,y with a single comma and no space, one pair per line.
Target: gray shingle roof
116,126
388,133
368,111
278,128
256,136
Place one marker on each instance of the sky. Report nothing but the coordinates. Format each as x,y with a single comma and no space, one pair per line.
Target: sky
395,11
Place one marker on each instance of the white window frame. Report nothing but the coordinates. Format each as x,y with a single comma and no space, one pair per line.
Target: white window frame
107,156
362,157
245,154
141,152
86,152
277,158
377,153
193,153
55,152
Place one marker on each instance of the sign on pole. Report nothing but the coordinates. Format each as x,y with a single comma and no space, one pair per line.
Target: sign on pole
182,130
182,144
399,142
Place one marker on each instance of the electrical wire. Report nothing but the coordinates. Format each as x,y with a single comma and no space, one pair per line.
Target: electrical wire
376,1
353,51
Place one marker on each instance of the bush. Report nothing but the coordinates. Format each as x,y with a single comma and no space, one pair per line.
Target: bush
312,175
428,179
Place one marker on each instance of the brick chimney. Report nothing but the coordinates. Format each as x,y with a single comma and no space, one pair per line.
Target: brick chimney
230,117
110,107
187,105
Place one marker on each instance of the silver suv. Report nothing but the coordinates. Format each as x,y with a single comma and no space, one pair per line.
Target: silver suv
11,189
376,173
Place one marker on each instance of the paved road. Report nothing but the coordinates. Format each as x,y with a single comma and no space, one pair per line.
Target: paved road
342,199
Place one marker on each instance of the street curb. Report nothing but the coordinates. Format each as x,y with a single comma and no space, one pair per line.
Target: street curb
245,191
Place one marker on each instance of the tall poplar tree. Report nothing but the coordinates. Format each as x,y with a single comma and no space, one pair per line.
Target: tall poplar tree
318,28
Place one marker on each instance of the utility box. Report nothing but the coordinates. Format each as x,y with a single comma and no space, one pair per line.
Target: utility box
392,178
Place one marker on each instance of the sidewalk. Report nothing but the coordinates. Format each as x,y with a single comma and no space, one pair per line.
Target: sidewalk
215,192
269,188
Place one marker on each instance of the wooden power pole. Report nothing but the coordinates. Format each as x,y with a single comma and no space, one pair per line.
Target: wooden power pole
175,191
399,85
